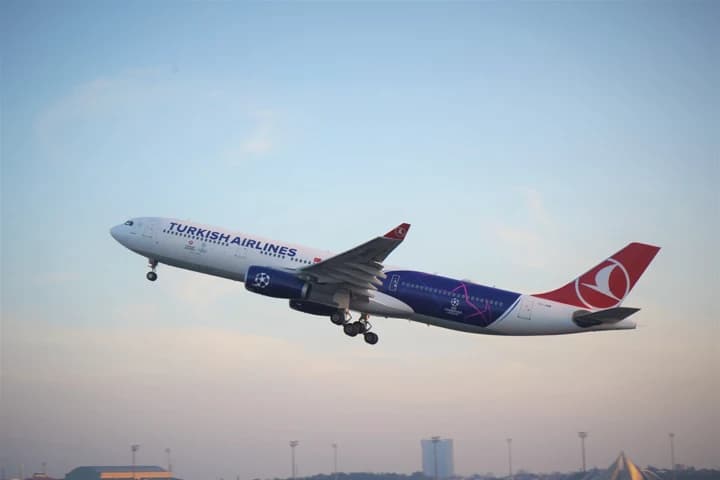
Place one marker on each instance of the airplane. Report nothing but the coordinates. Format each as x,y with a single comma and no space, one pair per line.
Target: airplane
320,282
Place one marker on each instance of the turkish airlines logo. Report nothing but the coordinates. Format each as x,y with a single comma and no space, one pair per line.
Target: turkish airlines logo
604,286
400,232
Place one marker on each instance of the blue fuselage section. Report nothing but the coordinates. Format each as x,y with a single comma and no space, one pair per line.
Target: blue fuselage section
449,299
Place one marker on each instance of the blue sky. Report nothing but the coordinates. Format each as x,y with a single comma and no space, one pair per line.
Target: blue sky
523,141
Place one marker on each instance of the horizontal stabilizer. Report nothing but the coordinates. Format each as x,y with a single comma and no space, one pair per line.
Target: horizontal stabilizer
611,315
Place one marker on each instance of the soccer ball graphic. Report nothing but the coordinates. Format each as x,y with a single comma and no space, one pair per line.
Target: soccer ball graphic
261,280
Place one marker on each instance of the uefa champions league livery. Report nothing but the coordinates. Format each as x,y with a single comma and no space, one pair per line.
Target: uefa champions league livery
322,283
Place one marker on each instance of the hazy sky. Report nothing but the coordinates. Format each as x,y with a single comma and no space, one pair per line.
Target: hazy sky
523,141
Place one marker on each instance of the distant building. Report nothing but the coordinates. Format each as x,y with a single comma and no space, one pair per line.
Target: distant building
443,451
142,472
41,476
35,476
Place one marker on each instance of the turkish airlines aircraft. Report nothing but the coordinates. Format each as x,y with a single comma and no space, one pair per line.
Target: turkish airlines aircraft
323,283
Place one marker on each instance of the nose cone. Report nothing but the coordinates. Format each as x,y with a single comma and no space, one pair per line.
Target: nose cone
115,233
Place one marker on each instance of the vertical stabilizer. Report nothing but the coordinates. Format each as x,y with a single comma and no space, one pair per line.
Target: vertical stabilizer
608,283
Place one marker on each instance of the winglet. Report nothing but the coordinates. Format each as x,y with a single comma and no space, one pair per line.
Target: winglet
399,232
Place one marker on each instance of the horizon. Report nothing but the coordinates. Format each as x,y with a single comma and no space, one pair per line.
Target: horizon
488,474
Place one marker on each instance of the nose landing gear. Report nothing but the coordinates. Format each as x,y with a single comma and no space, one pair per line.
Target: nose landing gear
353,329
151,275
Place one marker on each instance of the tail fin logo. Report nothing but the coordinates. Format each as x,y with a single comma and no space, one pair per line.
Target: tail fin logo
604,286
608,283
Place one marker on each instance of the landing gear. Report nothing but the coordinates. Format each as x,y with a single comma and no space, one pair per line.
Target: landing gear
151,275
371,338
339,317
353,329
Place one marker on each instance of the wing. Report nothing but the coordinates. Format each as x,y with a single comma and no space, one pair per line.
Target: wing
360,269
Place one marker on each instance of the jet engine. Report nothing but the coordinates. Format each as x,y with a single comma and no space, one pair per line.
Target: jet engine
275,283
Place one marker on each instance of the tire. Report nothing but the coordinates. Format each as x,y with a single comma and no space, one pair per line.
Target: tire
152,276
349,329
338,318
371,338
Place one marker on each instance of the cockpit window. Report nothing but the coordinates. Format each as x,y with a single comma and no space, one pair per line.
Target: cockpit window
129,223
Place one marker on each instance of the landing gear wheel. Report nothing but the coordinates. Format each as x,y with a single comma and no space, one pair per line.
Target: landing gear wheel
350,329
371,338
338,318
151,275
361,327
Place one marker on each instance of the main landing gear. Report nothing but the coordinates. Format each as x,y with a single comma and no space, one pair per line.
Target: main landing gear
151,275
353,329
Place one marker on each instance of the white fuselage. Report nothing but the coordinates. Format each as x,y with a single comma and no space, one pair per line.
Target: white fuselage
219,254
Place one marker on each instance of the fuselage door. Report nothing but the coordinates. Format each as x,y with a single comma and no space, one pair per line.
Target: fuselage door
148,228
240,260
394,282
526,307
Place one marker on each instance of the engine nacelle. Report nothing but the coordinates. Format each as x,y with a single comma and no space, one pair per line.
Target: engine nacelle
275,283
312,308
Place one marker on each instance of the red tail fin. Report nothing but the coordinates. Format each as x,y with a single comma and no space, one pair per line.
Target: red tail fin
607,283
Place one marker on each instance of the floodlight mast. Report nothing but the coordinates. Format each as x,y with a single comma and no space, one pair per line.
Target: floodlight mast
583,436
335,469
293,444
134,448
169,462
510,469
672,454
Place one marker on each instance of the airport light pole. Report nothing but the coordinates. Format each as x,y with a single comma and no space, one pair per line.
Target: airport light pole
169,462
672,454
133,448
293,444
435,441
509,443
583,436
335,470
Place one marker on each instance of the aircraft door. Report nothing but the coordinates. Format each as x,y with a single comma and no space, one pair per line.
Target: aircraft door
394,282
240,261
241,253
148,228
526,307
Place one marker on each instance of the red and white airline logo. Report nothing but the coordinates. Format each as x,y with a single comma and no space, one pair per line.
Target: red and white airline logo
604,286
400,232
